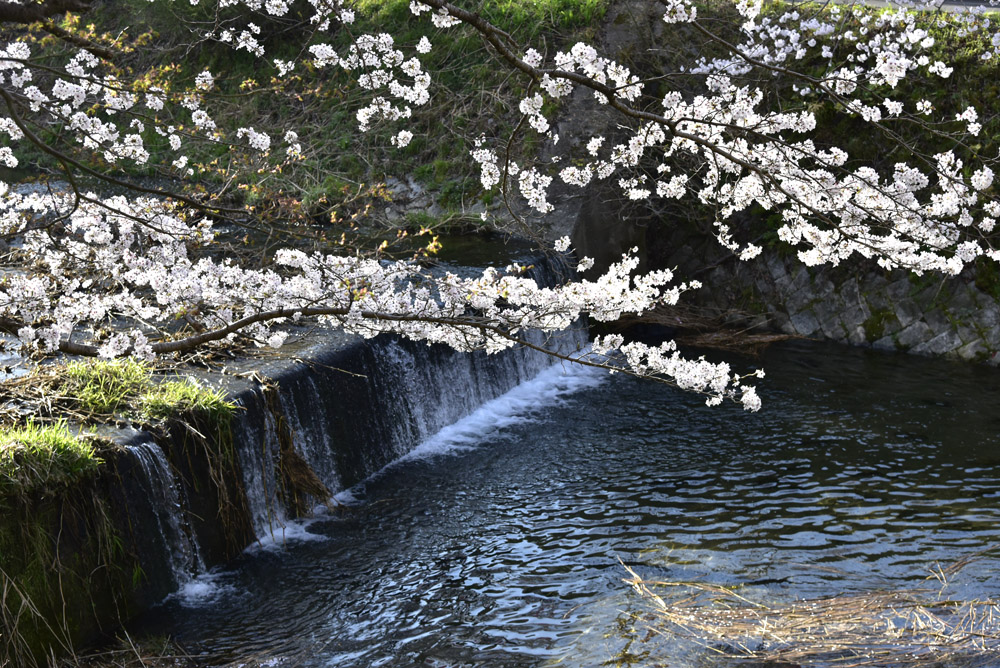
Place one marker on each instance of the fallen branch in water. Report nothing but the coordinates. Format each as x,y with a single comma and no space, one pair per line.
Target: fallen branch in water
704,328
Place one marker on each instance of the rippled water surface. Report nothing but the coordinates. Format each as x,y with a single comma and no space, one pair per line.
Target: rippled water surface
861,471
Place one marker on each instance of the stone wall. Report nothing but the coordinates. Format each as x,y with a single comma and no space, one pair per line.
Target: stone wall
857,303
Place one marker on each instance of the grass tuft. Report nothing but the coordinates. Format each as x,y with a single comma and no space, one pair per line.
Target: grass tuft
34,457
105,386
176,396
126,386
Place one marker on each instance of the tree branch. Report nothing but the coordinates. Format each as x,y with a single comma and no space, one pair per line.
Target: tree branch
12,12
11,326
75,40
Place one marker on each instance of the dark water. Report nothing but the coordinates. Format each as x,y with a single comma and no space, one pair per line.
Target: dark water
861,471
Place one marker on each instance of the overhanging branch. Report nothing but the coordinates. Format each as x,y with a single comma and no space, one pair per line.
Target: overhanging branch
34,12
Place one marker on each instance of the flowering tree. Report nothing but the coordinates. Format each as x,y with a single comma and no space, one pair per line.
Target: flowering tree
147,271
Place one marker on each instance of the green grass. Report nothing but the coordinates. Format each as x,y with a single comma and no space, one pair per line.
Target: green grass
34,457
126,386
176,396
106,386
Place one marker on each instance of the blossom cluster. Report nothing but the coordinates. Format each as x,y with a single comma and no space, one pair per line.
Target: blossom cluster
117,273
103,269
731,149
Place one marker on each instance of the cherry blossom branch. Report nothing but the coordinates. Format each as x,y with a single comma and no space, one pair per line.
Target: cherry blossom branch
66,159
460,324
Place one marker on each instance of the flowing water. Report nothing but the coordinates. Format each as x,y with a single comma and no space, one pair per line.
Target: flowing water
497,541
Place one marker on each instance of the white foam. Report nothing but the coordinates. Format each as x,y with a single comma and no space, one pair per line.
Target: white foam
347,498
293,531
520,404
201,590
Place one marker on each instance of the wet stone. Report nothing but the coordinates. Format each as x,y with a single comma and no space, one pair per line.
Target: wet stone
972,351
968,334
991,337
851,293
940,344
906,312
938,322
776,267
914,335
828,313
874,283
877,300
885,343
899,290
855,316
805,323
962,302
989,317
779,319
799,290
856,336
824,288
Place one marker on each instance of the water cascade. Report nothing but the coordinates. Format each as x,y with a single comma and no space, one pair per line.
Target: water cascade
346,413
169,529
314,421
312,426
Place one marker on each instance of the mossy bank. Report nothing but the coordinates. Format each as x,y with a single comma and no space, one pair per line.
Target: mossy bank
75,557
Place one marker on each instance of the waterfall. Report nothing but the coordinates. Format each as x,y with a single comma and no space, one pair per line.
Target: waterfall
337,412
171,534
351,410
257,447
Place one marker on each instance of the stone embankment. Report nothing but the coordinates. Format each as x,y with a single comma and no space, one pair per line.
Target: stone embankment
858,303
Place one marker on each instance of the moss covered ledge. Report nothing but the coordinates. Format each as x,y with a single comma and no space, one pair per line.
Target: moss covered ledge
38,458
74,560
59,549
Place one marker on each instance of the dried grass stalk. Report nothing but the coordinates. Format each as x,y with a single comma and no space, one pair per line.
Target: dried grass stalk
914,627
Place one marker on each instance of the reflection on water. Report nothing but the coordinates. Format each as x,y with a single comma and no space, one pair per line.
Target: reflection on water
861,471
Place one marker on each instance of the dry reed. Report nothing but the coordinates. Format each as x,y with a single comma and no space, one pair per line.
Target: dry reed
906,627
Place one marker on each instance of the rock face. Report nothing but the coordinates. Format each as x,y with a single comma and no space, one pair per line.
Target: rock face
858,305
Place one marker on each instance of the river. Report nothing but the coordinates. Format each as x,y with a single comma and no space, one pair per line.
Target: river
497,542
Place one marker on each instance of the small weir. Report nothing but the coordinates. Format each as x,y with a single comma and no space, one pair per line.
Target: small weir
495,540
342,412
167,507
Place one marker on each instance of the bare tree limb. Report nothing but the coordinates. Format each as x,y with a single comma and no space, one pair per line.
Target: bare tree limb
35,12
